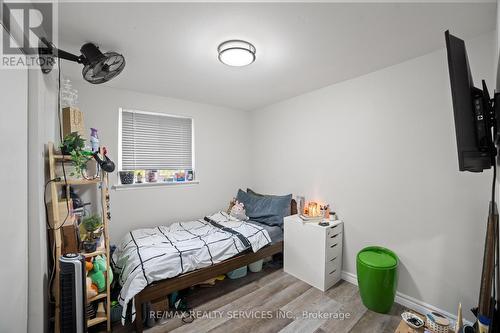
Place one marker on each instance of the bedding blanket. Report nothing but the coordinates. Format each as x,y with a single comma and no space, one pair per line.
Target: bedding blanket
148,255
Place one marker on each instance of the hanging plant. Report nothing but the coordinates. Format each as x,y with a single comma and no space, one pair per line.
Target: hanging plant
73,145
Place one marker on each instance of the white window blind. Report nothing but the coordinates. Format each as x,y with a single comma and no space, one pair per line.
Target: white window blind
156,141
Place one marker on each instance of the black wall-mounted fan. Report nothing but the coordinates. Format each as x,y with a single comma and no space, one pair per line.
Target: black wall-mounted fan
98,67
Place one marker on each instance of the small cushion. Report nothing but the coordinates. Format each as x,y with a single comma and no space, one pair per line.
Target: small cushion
265,209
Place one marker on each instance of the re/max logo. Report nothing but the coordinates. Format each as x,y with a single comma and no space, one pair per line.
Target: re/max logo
28,21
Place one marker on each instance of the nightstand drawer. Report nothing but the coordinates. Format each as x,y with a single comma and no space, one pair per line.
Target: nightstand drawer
333,250
334,238
332,264
334,230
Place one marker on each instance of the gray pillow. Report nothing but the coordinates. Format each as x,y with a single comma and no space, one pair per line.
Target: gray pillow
287,210
265,209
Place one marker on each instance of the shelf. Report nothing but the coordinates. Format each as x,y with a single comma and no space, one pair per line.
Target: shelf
97,297
62,157
79,181
95,253
96,320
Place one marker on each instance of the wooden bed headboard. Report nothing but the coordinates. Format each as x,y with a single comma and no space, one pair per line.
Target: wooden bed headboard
293,207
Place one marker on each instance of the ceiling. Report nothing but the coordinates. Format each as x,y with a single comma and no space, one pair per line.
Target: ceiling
170,48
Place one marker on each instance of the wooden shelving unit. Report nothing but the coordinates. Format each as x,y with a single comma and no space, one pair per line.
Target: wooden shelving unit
54,159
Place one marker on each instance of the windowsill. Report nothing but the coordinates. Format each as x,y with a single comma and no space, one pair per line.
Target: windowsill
136,186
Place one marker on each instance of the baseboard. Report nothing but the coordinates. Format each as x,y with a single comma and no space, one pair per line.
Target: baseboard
408,301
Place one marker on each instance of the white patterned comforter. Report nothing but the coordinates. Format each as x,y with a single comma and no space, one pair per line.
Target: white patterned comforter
147,255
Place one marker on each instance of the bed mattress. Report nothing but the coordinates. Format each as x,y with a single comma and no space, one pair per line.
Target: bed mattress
275,232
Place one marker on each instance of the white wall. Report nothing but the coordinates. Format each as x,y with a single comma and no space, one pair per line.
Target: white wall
221,158
13,199
42,121
381,149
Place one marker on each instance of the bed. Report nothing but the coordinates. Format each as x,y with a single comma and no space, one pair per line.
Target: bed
155,267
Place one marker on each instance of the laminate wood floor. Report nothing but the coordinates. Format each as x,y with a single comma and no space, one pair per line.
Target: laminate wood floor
274,301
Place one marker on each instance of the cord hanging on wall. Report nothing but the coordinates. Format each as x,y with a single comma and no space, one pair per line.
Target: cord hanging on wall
98,67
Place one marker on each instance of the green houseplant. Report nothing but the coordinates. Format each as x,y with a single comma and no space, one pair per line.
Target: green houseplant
74,145
91,224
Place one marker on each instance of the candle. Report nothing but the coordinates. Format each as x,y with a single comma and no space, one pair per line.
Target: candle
312,208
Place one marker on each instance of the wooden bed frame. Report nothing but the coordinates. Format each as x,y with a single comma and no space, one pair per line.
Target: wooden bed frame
159,290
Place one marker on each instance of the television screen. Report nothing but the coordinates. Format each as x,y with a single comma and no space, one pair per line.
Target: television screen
471,122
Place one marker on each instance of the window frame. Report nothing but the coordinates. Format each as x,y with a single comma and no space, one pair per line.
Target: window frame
160,114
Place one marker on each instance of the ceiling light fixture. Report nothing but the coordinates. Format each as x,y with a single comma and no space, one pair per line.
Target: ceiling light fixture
236,53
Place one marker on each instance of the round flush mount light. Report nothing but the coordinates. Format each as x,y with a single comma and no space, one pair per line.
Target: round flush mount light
236,53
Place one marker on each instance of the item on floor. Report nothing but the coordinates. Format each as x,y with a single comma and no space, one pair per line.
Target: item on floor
116,311
468,329
256,266
237,273
126,177
460,322
437,323
152,176
238,211
72,293
483,323
377,270
94,140
412,320
211,282
178,303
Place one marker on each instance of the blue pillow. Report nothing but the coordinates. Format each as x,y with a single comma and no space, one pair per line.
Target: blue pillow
288,197
265,209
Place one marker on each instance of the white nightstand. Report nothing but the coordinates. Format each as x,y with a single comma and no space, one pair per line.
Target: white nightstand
313,253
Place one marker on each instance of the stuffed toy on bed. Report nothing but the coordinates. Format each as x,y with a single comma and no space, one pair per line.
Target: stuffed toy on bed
238,211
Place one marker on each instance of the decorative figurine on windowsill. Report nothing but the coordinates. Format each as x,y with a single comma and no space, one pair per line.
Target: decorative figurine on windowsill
139,178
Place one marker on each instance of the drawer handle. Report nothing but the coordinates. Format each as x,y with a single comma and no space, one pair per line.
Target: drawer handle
333,259
332,246
335,235
332,272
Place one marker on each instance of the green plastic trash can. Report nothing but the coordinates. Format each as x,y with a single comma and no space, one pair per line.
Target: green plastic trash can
377,269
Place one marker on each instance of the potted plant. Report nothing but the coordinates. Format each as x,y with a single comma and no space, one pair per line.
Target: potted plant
73,144
91,224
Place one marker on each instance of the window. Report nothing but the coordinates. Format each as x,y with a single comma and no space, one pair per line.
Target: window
156,147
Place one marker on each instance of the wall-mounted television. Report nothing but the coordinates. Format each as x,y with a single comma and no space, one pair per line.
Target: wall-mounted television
473,111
